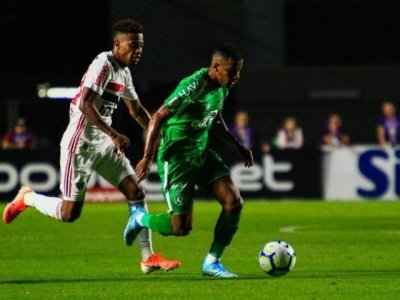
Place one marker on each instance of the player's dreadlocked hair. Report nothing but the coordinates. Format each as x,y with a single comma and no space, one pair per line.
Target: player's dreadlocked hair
127,26
228,51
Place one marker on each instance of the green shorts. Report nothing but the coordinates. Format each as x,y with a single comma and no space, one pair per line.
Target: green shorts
180,175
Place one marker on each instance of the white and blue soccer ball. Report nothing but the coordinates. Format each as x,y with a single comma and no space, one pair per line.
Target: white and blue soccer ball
277,258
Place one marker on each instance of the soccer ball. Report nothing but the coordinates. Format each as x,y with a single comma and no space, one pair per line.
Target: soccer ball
277,258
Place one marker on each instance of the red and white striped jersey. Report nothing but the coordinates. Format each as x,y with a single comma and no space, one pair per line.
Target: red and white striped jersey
112,82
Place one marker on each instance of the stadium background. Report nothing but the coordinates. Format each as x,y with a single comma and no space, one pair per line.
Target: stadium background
305,58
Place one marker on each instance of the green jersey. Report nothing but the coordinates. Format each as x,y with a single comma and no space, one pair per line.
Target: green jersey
194,105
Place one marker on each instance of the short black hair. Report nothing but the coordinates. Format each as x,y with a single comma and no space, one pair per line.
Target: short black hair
127,26
228,51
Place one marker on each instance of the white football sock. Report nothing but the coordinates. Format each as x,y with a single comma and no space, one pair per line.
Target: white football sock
49,206
144,240
210,259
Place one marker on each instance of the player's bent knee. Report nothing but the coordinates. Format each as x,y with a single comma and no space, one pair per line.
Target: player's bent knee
69,217
131,190
234,204
181,231
182,224
239,204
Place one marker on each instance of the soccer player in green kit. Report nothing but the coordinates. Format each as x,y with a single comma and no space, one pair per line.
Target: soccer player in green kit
185,159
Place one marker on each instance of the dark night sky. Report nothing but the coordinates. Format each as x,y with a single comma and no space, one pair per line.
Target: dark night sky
50,40
54,41
342,32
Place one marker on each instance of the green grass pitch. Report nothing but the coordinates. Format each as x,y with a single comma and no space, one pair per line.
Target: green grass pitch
344,251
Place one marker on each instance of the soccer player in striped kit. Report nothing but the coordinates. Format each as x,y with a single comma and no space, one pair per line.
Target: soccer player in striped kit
90,144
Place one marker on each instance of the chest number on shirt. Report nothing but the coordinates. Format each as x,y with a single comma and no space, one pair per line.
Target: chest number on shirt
106,109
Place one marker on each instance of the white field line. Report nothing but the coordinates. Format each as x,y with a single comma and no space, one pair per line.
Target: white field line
302,228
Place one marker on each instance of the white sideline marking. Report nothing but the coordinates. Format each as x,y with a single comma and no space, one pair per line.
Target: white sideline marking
299,228
291,229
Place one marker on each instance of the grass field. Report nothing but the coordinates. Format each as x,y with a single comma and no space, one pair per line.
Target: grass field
344,251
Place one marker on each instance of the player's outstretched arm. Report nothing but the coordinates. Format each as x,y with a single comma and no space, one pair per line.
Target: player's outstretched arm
138,112
89,110
152,136
221,131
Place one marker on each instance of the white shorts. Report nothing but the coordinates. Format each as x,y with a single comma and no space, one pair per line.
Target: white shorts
76,169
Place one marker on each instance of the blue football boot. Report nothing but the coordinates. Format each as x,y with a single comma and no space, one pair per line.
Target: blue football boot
216,269
133,227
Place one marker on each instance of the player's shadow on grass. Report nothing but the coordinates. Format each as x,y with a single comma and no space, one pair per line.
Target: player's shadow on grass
151,278
198,277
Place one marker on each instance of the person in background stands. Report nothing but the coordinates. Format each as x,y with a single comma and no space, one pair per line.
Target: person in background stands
334,134
388,128
290,135
242,130
20,137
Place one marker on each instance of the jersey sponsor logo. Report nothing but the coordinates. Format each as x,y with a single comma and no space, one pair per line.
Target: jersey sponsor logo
102,75
190,89
206,122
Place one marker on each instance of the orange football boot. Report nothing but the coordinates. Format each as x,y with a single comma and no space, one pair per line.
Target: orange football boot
157,262
17,206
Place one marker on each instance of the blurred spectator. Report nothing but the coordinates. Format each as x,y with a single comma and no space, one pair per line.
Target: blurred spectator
242,130
388,128
290,135
20,137
265,146
334,134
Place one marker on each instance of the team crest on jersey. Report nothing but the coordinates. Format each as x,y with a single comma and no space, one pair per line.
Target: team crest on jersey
174,102
179,200
80,185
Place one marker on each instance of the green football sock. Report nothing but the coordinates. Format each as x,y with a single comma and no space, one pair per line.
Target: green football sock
225,229
161,223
